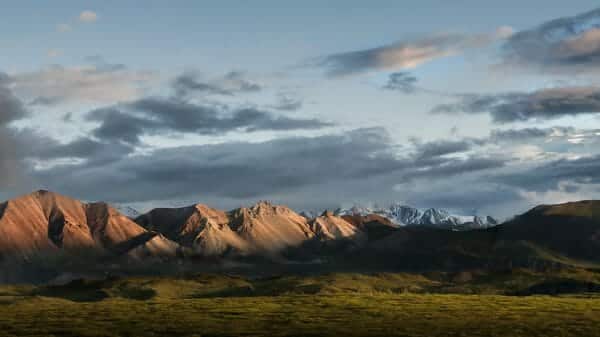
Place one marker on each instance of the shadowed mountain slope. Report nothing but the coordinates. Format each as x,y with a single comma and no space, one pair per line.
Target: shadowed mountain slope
572,229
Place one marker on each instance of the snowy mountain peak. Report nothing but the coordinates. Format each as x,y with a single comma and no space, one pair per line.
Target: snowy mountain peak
127,211
411,216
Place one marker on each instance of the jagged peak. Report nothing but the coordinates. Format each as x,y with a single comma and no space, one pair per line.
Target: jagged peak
202,207
262,205
41,193
265,207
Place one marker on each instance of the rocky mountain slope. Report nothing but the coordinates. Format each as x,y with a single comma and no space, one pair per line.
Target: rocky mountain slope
263,229
44,223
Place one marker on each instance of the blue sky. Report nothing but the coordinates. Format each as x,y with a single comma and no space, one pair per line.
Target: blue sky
259,34
140,83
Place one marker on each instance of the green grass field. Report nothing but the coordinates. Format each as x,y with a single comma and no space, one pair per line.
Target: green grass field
326,305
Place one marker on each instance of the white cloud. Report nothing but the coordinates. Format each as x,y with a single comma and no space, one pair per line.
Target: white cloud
88,16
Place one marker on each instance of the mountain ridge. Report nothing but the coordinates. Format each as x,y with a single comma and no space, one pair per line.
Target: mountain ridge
45,224
411,216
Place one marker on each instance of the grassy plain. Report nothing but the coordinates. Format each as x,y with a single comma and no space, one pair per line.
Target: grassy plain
323,305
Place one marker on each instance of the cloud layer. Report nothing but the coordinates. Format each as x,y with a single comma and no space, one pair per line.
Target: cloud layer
542,104
154,115
97,83
565,44
241,171
401,81
88,16
11,109
232,83
407,54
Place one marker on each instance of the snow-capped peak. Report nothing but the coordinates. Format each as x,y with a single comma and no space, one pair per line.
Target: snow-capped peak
127,211
411,216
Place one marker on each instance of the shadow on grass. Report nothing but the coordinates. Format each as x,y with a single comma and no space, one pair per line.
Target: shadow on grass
559,287
95,291
76,293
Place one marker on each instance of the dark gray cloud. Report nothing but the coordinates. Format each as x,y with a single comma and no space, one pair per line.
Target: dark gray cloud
232,83
29,145
548,176
187,82
526,134
45,101
406,54
9,159
233,170
401,81
11,108
542,104
241,171
569,43
121,126
93,152
474,196
128,122
442,148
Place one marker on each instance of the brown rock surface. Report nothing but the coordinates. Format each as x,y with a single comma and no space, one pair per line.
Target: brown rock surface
43,222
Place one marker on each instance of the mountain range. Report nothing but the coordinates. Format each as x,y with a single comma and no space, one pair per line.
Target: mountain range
433,217
63,234
398,213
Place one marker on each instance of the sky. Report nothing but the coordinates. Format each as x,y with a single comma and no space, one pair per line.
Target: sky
478,108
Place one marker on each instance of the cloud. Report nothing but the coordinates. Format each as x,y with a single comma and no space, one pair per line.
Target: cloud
528,134
239,170
550,175
565,44
9,159
34,147
98,83
230,84
441,148
150,116
11,109
286,102
541,104
362,165
88,16
233,170
407,54
401,81
63,28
